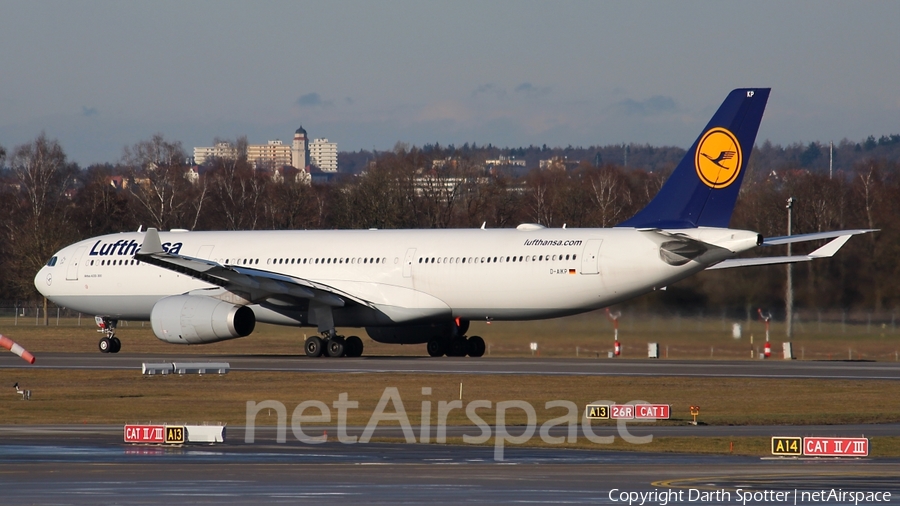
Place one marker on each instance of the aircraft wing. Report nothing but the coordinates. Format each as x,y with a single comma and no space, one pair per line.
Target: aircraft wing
260,283
838,239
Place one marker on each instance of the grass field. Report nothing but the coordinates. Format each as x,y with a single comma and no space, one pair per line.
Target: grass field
114,397
586,336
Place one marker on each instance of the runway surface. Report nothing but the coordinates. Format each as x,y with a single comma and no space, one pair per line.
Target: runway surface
540,366
82,465
79,466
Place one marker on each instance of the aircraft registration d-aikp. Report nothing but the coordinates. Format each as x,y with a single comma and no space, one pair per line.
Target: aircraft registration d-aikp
423,286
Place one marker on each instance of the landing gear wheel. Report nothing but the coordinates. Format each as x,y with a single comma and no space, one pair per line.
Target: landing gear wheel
116,345
475,346
313,346
353,346
457,348
335,347
105,345
435,348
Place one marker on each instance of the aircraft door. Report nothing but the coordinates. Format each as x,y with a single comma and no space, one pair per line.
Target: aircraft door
590,257
408,262
72,271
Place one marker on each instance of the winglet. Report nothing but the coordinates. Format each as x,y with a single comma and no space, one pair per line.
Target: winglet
151,244
831,248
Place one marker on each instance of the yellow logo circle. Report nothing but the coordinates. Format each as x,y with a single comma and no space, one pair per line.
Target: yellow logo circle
718,158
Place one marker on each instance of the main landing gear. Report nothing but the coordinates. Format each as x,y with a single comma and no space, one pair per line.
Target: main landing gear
109,343
333,346
457,347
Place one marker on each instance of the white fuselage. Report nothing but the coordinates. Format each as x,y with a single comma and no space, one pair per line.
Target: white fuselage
409,275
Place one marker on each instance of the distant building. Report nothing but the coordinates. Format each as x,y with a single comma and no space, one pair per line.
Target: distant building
323,154
270,155
192,175
504,161
276,154
559,162
300,150
220,150
260,156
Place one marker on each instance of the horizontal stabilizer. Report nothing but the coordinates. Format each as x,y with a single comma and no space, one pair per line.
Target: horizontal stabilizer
790,239
825,251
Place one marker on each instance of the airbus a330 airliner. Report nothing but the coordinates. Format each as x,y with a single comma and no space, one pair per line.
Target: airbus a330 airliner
422,286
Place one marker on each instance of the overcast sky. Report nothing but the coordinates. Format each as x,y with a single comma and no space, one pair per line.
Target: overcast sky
366,74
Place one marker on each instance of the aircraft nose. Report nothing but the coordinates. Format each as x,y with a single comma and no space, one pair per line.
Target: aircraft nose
43,280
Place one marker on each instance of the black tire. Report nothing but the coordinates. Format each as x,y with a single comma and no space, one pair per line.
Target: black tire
354,346
314,346
457,348
116,345
335,347
435,348
475,346
105,345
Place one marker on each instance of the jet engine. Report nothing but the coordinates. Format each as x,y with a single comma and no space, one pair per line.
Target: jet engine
190,319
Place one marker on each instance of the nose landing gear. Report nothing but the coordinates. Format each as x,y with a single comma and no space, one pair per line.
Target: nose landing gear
109,343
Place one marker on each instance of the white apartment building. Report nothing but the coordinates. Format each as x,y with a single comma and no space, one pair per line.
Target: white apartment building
274,154
323,154
270,155
220,150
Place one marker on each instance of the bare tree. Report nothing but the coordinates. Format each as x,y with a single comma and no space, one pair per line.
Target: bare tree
38,221
237,190
165,198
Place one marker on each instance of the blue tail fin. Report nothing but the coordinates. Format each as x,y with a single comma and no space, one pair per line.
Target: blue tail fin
704,187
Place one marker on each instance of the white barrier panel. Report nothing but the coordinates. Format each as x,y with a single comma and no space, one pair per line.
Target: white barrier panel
652,350
788,351
149,368
201,367
205,433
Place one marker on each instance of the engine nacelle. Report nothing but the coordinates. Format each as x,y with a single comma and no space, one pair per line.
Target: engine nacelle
417,334
190,319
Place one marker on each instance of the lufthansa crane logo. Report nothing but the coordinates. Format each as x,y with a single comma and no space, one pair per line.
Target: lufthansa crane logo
718,158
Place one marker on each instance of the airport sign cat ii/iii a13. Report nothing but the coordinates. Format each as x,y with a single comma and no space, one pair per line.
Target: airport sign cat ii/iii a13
423,286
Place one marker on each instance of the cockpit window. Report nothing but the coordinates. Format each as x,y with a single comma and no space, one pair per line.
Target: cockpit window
51,262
